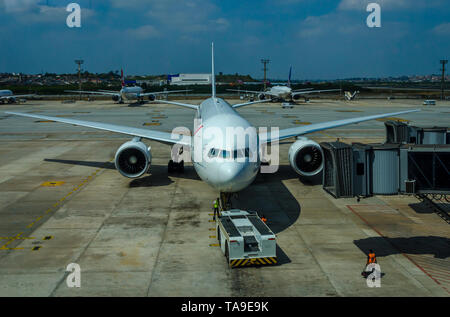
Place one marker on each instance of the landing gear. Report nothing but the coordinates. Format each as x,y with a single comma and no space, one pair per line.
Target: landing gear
175,167
225,201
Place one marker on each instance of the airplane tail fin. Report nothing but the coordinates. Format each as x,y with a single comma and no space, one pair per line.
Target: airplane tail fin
289,79
213,75
122,78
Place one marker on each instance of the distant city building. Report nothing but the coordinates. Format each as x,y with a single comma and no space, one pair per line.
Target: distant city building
189,79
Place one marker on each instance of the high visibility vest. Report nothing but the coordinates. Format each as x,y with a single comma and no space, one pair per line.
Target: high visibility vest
263,219
216,205
372,258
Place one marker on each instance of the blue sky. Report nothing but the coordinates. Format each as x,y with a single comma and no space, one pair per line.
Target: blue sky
321,39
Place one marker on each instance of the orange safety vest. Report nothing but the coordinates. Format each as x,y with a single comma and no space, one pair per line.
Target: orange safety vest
264,219
372,258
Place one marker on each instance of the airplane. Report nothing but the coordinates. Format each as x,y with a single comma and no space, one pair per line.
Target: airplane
349,96
283,92
128,93
9,97
228,169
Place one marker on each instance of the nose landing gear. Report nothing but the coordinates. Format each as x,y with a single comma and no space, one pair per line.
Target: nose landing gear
225,201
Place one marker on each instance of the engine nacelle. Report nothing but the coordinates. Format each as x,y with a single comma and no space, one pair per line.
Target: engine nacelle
306,157
261,96
11,100
115,98
296,97
133,159
151,97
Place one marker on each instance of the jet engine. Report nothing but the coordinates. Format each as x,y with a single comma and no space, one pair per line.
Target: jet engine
133,158
261,96
306,157
151,97
115,98
296,97
11,100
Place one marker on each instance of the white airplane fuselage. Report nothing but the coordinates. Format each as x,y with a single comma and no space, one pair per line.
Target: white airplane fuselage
131,93
225,175
282,92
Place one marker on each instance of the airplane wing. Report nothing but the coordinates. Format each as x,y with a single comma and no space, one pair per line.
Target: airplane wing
163,137
17,96
105,93
249,103
185,105
304,89
162,92
254,92
296,131
312,91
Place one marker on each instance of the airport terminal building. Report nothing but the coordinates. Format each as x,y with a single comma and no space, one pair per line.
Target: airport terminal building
189,79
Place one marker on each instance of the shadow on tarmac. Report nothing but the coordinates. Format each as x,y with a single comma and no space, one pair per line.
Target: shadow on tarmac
439,247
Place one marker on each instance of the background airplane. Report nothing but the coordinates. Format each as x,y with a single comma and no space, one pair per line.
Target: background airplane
227,168
351,96
128,93
9,97
283,92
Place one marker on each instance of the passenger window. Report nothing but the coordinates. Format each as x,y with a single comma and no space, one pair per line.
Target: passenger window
225,154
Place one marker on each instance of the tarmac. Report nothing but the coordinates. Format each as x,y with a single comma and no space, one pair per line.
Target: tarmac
62,202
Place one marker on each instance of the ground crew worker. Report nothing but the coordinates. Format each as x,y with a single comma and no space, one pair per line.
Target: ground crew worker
216,208
371,258
264,219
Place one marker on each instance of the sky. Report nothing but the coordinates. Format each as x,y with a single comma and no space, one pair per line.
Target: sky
320,39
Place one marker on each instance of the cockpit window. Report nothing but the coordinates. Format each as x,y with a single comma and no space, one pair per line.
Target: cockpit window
226,154
234,154
213,152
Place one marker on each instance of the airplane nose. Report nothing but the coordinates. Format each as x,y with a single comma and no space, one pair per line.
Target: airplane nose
234,177
229,172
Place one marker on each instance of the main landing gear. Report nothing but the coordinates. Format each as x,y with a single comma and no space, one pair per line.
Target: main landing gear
175,167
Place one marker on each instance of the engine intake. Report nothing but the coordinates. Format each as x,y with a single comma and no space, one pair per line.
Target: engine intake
115,98
261,96
306,157
133,159
151,97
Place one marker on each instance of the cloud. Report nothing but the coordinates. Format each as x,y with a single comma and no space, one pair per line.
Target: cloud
442,29
143,32
351,5
31,11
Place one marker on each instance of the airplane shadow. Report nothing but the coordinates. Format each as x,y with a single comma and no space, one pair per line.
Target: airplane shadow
158,175
439,247
137,104
269,197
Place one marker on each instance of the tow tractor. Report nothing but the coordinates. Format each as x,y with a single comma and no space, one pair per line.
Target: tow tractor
245,239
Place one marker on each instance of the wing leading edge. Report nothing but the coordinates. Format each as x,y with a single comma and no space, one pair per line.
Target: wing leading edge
160,136
296,131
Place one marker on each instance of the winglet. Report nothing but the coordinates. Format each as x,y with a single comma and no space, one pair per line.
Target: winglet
213,75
